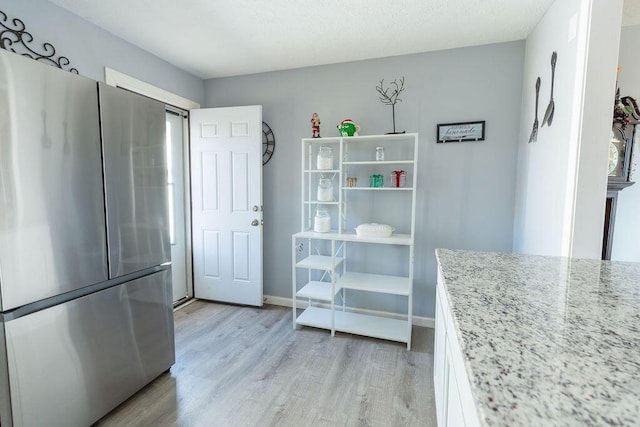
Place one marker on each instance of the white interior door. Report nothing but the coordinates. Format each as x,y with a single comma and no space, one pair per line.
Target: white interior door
175,123
226,165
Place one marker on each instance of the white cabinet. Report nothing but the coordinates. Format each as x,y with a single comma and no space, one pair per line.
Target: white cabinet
454,410
440,375
455,405
327,266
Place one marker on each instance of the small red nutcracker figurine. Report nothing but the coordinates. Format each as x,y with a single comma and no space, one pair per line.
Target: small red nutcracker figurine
315,126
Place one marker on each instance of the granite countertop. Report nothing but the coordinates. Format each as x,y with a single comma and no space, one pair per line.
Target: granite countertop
547,340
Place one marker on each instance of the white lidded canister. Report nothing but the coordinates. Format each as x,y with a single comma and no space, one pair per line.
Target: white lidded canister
324,160
325,190
322,220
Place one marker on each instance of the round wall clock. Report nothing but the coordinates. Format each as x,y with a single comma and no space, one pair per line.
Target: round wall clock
617,153
268,143
613,158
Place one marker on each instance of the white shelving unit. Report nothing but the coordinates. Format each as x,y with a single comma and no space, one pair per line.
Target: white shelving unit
334,262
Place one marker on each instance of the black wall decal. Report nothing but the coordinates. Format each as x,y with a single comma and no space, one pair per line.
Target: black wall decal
14,37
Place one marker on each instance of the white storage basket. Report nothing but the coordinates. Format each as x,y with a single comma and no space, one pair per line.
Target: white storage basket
374,230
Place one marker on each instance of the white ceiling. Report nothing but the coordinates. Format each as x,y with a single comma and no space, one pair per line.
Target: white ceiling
216,38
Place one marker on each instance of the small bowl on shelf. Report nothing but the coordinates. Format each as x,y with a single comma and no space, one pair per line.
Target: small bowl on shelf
374,230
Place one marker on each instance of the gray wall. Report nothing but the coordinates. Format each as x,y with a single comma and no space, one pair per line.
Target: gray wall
627,228
561,187
90,48
465,191
545,166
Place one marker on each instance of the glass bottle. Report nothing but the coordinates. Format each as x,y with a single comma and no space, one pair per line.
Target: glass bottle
379,153
322,220
324,160
325,190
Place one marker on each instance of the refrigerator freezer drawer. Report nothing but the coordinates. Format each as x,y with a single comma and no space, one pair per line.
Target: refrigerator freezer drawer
136,186
52,224
71,364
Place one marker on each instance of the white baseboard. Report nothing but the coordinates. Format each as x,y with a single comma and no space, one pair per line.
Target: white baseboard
427,322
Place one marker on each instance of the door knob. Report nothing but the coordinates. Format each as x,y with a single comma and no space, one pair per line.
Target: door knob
255,222
255,208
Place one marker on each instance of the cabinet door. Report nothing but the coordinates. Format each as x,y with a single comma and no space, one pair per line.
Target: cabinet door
439,355
453,408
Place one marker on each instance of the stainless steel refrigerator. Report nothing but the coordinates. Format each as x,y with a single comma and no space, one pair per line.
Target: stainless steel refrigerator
86,314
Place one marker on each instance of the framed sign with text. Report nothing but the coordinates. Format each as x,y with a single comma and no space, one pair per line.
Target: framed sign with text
460,132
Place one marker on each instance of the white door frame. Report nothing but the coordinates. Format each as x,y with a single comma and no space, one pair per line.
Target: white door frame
121,80
118,79
180,265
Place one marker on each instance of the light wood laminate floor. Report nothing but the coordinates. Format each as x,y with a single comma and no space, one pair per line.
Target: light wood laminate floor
243,366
